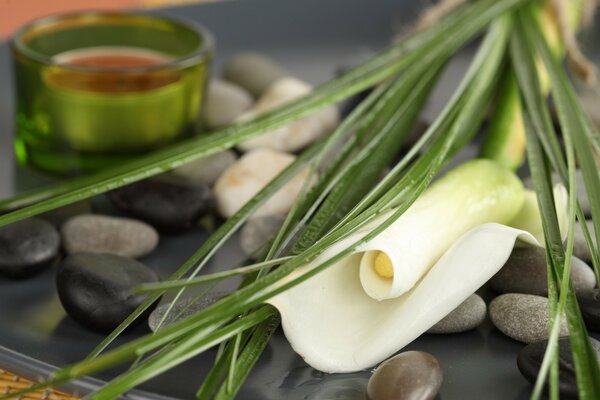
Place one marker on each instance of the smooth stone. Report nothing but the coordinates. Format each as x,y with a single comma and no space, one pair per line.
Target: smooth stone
581,192
525,271
167,206
589,303
182,309
114,235
253,72
412,375
225,101
580,247
248,175
468,315
258,231
60,215
523,317
27,247
95,289
206,170
295,135
529,362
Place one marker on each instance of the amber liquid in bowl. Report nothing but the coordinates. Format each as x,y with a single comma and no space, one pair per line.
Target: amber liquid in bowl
112,57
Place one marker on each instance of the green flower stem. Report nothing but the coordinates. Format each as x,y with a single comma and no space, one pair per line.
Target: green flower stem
505,138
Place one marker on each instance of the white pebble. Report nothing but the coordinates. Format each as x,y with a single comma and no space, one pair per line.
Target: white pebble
246,177
298,134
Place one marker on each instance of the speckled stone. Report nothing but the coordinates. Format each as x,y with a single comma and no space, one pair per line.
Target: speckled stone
253,71
27,247
103,234
183,309
530,359
580,248
412,375
589,303
468,315
225,101
523,317
258,231
525,271
206,170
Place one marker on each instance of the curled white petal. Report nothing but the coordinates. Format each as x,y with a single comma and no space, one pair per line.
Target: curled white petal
336,327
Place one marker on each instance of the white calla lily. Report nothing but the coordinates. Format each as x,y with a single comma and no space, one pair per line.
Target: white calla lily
369,305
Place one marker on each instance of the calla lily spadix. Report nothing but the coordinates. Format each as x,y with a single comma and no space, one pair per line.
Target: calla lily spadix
393,288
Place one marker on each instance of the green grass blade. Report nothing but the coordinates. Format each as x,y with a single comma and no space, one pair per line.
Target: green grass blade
217,276
219,237
249,356
527,39
183,351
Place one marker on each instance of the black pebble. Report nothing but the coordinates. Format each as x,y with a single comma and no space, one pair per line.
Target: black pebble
530,359
589,303
27,247
95,289
169,207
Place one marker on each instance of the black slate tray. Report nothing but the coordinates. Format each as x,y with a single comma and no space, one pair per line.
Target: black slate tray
312,38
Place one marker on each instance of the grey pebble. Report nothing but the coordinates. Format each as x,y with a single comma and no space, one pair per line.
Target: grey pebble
113,235
468,315
525,271
225,101
204,171
258,231
581,192
523,317
253,71
580,248
182,309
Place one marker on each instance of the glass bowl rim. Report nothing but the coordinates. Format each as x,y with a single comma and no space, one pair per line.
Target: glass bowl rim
201,53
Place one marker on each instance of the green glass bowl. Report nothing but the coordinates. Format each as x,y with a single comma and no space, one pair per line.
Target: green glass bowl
67,126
